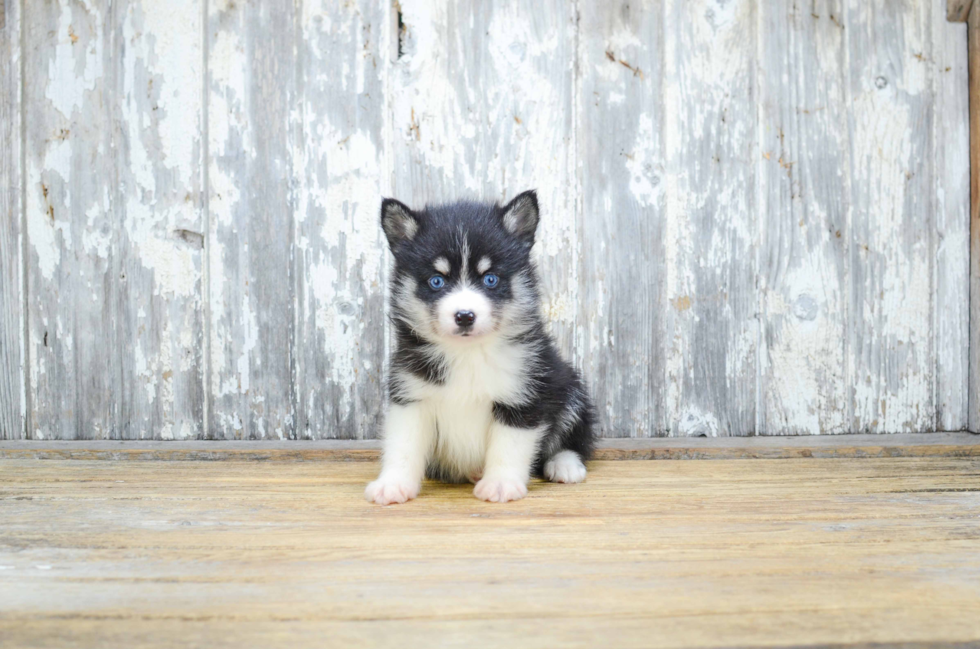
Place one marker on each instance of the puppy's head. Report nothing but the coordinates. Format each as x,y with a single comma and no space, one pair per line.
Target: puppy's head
463,271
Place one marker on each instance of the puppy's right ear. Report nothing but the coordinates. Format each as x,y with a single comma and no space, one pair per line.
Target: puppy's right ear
398,221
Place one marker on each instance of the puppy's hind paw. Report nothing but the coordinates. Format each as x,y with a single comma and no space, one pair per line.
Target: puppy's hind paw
499,490
387,491
566,467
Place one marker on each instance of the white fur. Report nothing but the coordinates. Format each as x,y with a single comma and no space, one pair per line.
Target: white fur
416,313
464,269
441,264
409,228
510,453
453,423
565,466
517,315
477,375
408,439
483,265
464,299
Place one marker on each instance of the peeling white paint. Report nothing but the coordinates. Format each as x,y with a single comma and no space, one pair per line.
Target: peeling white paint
71,76
644,182
486,114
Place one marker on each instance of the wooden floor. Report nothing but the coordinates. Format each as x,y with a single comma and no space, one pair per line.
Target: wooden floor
724,553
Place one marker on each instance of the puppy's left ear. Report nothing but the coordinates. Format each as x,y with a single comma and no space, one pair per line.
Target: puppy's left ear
520,216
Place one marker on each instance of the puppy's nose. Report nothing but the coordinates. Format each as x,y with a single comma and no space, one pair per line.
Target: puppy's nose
465,318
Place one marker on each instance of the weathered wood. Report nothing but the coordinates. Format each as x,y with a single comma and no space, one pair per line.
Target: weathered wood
661,448
891,356
157,242
695,163
712,221
252,105
113,177
974,75
803,270
13,399
340,253
958,10
74,273
787,448
481,105
802,553
620,96
951,146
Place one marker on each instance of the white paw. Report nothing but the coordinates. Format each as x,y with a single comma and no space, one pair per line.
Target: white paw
386,491
565,467
500,490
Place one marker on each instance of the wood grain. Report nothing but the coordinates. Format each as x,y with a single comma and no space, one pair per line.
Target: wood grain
803,271
113,220
620,96
974,75
892,218
712,217
340,253
75,280
157,244
199,184
481,104
13,399
951,147
252,104
841,553
660,448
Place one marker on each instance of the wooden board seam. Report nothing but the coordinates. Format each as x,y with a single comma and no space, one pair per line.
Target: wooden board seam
837,446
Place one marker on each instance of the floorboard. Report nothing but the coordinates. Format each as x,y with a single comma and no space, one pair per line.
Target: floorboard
728,553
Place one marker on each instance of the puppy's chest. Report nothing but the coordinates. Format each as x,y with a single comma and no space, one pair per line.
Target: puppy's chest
481,378
473,383
463,408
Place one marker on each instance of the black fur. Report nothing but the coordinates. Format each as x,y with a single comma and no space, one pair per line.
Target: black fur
552,394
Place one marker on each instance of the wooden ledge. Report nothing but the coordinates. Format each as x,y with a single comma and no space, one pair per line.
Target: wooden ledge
663,448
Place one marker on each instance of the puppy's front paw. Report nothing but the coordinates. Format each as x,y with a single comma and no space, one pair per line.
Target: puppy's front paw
386,491
566,467
499,490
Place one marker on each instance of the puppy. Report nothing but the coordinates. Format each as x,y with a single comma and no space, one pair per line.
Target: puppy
478,391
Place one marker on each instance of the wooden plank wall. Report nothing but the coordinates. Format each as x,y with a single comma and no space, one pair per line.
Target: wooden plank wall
13,396
968,11
756,212
974,49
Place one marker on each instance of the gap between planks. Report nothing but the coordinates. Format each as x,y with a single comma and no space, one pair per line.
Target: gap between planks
663,448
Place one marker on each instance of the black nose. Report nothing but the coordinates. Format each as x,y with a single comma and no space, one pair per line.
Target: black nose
465,318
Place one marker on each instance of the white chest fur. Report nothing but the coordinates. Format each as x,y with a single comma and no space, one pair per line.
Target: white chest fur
462,406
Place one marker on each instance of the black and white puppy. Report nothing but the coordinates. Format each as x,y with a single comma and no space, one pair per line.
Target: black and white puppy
478,391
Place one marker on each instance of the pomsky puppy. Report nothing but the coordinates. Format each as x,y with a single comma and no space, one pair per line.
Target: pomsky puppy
478,391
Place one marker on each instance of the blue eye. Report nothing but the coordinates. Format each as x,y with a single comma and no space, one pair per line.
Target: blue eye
490,280
436,282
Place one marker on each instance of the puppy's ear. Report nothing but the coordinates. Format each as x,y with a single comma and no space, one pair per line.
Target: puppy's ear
520,216
398,221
